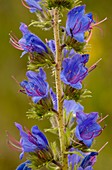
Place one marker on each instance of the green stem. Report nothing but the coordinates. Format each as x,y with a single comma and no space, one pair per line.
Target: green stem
59,89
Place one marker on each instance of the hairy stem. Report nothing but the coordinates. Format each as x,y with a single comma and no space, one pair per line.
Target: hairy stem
59,88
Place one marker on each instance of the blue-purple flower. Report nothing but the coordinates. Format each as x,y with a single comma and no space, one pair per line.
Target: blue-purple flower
85,161
33,5
74,159
87,127
88,161
74,70
51,45
24,166
54,99
68,105
78,23
29,43
72,106
68,53
33,142
87,168
36,87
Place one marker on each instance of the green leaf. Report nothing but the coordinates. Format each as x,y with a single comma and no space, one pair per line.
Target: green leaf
55,150
74,152
77,95
51,167
52,130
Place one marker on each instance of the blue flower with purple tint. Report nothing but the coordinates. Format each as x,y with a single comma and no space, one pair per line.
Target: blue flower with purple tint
54,99
78,23
88,161
33,5
68,105
87,168
36,87
29,43
68,53
72,106
87,127
74,159
24,166
74,70
51,45
34,141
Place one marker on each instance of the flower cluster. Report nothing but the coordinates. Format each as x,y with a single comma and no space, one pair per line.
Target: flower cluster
76,130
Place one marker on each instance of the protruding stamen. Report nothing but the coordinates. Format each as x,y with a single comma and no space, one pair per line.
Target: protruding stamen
13,143
25,4
89,37
102,119
95,25
102,147
15,80
14,42
99,22
94,65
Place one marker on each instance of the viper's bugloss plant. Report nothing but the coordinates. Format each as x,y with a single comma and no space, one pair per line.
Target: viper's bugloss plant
67,60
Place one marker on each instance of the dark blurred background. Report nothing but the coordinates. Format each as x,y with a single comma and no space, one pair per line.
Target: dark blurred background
13,105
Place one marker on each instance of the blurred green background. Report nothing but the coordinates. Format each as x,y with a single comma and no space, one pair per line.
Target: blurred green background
14,105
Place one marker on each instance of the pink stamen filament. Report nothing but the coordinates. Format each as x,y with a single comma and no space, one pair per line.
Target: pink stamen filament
14,147
12,139
25,4
102,119
15,43
13,143
15,80
102,147
99,22
96,24
13,35
94,65
90,35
